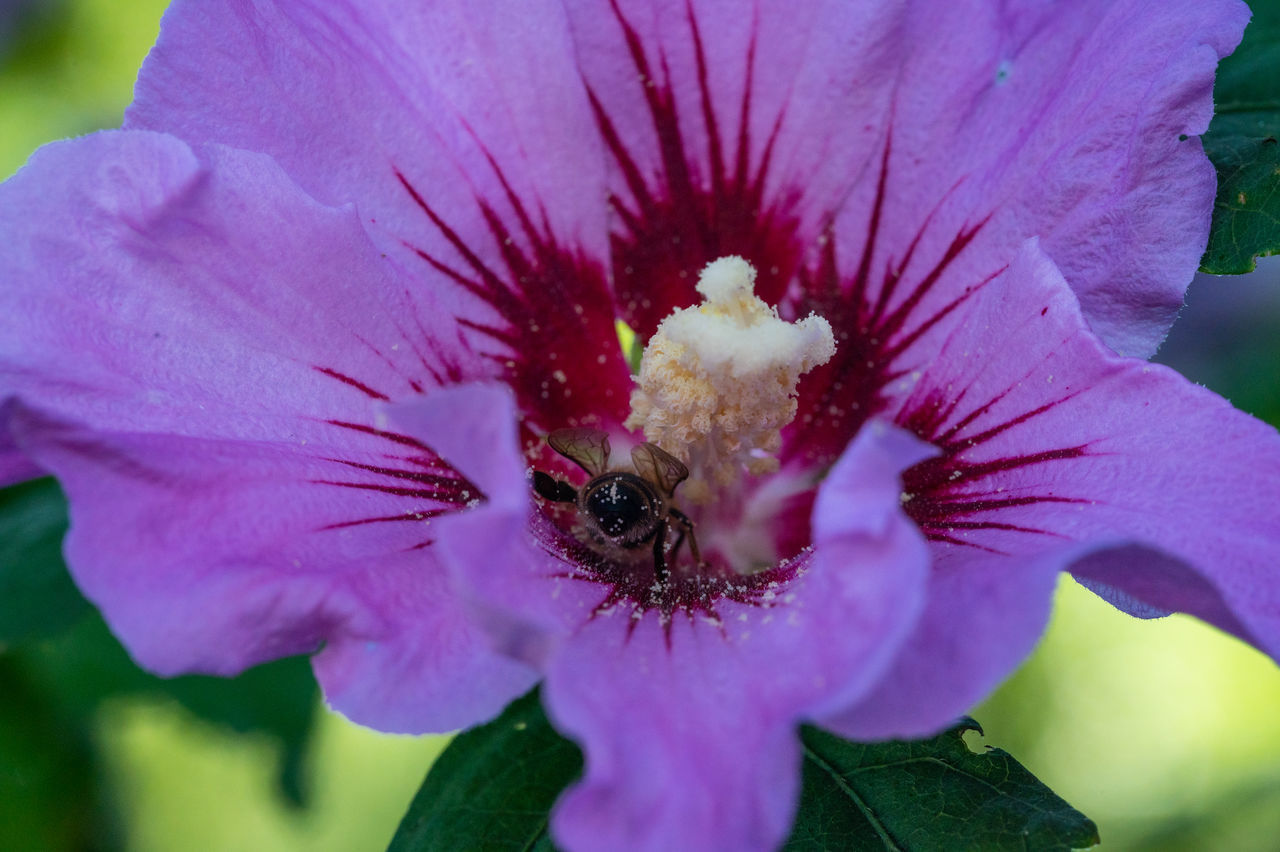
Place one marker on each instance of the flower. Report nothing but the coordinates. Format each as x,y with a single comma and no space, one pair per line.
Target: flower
292,339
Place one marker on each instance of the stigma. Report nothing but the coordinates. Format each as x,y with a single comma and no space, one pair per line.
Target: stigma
717,381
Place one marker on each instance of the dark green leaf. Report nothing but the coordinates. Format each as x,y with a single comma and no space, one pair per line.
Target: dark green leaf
51,791
493,787
1247,92
1246,214
926,795
37,598
1242,144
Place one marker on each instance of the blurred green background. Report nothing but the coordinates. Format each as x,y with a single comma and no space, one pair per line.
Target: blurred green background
1166,733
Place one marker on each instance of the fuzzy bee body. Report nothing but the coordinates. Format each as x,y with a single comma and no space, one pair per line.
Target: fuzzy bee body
620,509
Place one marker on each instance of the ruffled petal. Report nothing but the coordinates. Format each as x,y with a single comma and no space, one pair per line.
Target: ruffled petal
427,666
982,617
150,290
212,556
1074,122
690,729
523,595
196,349
1154,491
14,466
688,723
462,133
681,753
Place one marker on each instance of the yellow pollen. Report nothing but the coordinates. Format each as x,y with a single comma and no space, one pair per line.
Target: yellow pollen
718,380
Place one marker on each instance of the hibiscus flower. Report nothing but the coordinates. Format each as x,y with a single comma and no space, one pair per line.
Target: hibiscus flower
295,338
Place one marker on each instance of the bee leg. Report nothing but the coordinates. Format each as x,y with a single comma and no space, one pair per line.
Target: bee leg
660,553
550,488
686,528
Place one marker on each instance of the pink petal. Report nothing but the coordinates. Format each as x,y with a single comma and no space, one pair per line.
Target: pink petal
426,667
1066,121
730,128
14,466
1154,491
514,587
153,291
1073,122
680,752
688,724
462,133
212,556
981,619
690,733
197,349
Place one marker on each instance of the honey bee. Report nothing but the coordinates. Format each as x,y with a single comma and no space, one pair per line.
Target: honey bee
620,509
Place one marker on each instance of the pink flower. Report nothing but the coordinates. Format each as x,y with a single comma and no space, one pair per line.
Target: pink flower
349,264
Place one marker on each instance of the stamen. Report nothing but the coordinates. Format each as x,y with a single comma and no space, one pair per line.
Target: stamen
717,381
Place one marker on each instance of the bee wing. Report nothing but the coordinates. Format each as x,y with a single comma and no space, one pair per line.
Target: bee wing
659,467
589,448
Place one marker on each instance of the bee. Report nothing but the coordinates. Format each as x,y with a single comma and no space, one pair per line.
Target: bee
620,509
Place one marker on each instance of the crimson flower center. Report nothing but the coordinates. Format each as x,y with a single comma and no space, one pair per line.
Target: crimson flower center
687,520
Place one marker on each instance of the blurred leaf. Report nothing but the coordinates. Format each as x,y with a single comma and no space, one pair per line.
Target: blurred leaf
1243,818
925,795
69,658
279,699
1242,144
51,796
87,665
70,68
32,33
493,787
37,598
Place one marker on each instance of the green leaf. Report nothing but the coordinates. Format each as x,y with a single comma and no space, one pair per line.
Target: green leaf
1242,144
925,795
1246,214
37,597
493,787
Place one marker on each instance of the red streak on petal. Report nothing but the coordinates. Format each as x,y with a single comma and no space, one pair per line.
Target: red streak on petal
394,437
358,385
949,489
556,345
874,335
433,479
450,485
411,516
698,207
418,493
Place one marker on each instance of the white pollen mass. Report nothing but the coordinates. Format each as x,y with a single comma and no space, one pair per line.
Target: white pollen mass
717,380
